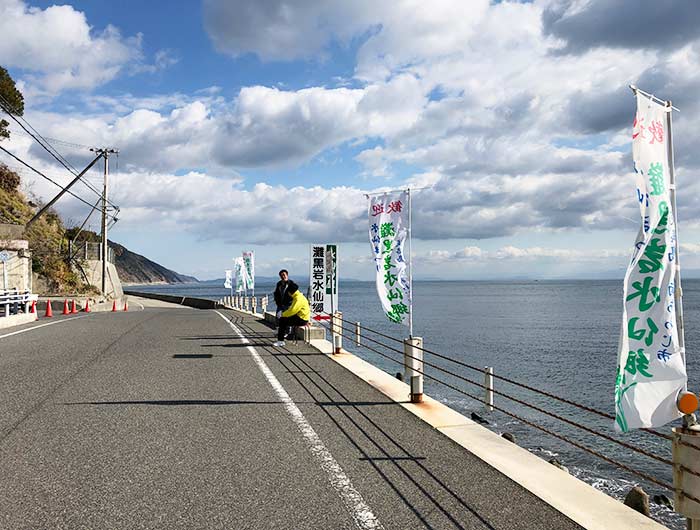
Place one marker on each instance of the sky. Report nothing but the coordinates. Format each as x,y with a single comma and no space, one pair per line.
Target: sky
261,124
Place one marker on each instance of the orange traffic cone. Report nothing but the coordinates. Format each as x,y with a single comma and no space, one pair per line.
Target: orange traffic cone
114,306
49,312
87,305
66,311
73,309
32,308
126,306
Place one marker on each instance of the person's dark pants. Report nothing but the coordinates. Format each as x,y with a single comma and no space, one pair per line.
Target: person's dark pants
287,322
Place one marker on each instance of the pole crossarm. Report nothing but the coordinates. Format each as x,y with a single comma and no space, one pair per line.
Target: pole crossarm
62,192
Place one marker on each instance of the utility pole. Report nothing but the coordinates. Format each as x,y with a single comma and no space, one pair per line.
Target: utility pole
105,152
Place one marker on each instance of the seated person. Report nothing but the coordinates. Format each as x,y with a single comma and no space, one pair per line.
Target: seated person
297,314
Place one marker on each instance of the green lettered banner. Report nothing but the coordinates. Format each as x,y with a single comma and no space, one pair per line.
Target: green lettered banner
388,229
651,363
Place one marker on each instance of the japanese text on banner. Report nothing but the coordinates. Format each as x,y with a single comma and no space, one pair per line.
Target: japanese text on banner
651,363
323,280
240,278
388,230
249,269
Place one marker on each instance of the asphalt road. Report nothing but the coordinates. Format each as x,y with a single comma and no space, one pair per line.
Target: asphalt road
165,418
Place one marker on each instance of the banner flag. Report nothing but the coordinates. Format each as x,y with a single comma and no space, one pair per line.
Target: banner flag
388,230
227,281
651,363
240,278
249,269
323,280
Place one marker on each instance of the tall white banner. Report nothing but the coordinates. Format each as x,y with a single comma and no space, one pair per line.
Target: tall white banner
388,230
240,275
249,269
651,363
323,280
227,281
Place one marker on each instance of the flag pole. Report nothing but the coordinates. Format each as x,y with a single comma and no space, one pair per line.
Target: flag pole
678,292
410,268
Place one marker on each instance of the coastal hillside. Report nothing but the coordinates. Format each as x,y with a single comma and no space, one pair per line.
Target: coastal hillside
137,269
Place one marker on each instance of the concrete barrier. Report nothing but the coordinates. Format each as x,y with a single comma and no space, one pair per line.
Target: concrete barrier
197,303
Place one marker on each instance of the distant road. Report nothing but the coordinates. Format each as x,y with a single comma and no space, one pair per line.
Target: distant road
166,418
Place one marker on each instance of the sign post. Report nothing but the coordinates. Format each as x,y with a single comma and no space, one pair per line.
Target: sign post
4,258
323,281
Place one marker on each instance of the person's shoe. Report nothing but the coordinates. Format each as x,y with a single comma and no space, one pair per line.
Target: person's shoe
279,343
291,336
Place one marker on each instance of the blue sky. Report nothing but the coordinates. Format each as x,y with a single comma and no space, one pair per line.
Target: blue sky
261,124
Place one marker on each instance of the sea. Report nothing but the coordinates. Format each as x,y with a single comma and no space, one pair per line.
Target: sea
559,336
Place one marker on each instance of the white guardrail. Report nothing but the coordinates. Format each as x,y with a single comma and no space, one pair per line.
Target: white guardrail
11,300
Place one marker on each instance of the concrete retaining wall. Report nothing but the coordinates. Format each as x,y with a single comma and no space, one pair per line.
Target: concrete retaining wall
113,286
19,268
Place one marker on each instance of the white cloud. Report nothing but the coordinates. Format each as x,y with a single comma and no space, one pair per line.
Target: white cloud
475,98
59,50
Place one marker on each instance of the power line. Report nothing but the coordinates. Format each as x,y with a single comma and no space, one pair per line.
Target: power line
44,176
7,107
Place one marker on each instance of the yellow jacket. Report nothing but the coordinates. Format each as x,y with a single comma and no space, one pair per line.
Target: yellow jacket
300,307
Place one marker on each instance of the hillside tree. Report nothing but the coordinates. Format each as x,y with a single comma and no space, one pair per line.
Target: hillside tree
12,100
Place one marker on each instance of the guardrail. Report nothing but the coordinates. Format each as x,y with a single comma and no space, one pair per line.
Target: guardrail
410,357
11,300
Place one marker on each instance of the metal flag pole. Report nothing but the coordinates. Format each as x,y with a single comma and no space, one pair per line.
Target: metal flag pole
410,268
678,292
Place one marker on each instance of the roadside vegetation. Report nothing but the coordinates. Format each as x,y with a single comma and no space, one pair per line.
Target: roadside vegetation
48,237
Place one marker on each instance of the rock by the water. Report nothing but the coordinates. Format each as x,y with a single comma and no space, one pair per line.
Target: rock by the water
662,500
558,464
637,499
508,437
479,419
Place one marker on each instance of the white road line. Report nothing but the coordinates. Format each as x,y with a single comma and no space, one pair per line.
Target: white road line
361,512
40,326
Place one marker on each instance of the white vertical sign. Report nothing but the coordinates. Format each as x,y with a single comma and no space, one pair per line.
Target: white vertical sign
388,230
249,269
651,362
240,275
323,280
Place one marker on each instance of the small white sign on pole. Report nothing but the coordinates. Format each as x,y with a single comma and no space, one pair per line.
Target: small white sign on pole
323,280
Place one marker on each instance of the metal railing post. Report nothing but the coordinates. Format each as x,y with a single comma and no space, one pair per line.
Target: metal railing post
337,331
255,305
357,334
488,388
413,367
686,458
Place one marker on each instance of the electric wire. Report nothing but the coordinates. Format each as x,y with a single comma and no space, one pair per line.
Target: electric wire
44,176
45,145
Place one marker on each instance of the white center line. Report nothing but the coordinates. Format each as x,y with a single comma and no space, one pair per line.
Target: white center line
361,512
40,326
